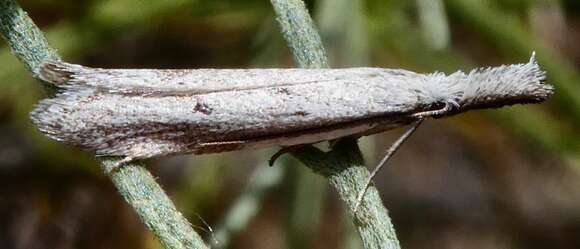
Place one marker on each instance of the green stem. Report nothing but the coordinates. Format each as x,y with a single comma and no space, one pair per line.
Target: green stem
344,168
139,188
344,165
300,33
25,39
133,181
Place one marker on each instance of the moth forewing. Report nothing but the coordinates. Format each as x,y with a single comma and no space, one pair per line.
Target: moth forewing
198,81
141,113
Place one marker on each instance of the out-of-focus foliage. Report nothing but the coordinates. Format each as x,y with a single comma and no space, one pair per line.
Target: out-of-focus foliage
507,178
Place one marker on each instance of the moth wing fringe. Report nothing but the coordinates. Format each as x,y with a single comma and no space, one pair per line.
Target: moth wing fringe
59,73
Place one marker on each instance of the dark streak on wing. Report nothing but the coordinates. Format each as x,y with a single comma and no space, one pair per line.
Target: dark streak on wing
155,93
216,143
381,124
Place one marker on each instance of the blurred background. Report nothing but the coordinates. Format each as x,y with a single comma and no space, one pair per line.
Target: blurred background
506,178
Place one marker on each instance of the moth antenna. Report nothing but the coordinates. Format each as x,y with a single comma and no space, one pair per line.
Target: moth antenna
394,147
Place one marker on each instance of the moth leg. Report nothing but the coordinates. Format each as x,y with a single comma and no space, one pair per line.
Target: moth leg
448,107
283,151
394,147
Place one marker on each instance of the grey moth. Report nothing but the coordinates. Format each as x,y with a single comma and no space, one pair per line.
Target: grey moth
143,113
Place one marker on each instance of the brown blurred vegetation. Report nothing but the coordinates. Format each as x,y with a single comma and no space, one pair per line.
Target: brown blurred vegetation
507,178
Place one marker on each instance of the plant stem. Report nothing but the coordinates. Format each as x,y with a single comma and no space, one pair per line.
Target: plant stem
139,188
344,165
300,34
25,39
133,181
344,168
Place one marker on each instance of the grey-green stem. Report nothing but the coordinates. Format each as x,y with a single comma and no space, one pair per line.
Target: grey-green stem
344,165
133,181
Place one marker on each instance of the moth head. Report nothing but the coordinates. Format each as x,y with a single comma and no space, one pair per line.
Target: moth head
506,85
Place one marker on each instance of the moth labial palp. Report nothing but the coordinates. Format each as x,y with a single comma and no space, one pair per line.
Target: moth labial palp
143,113
447,107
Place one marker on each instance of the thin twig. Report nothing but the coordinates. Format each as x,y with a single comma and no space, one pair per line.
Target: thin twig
394,147
344,165
133,181
300,34
139,188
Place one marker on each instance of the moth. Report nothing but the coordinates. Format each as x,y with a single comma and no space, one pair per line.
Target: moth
143,113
